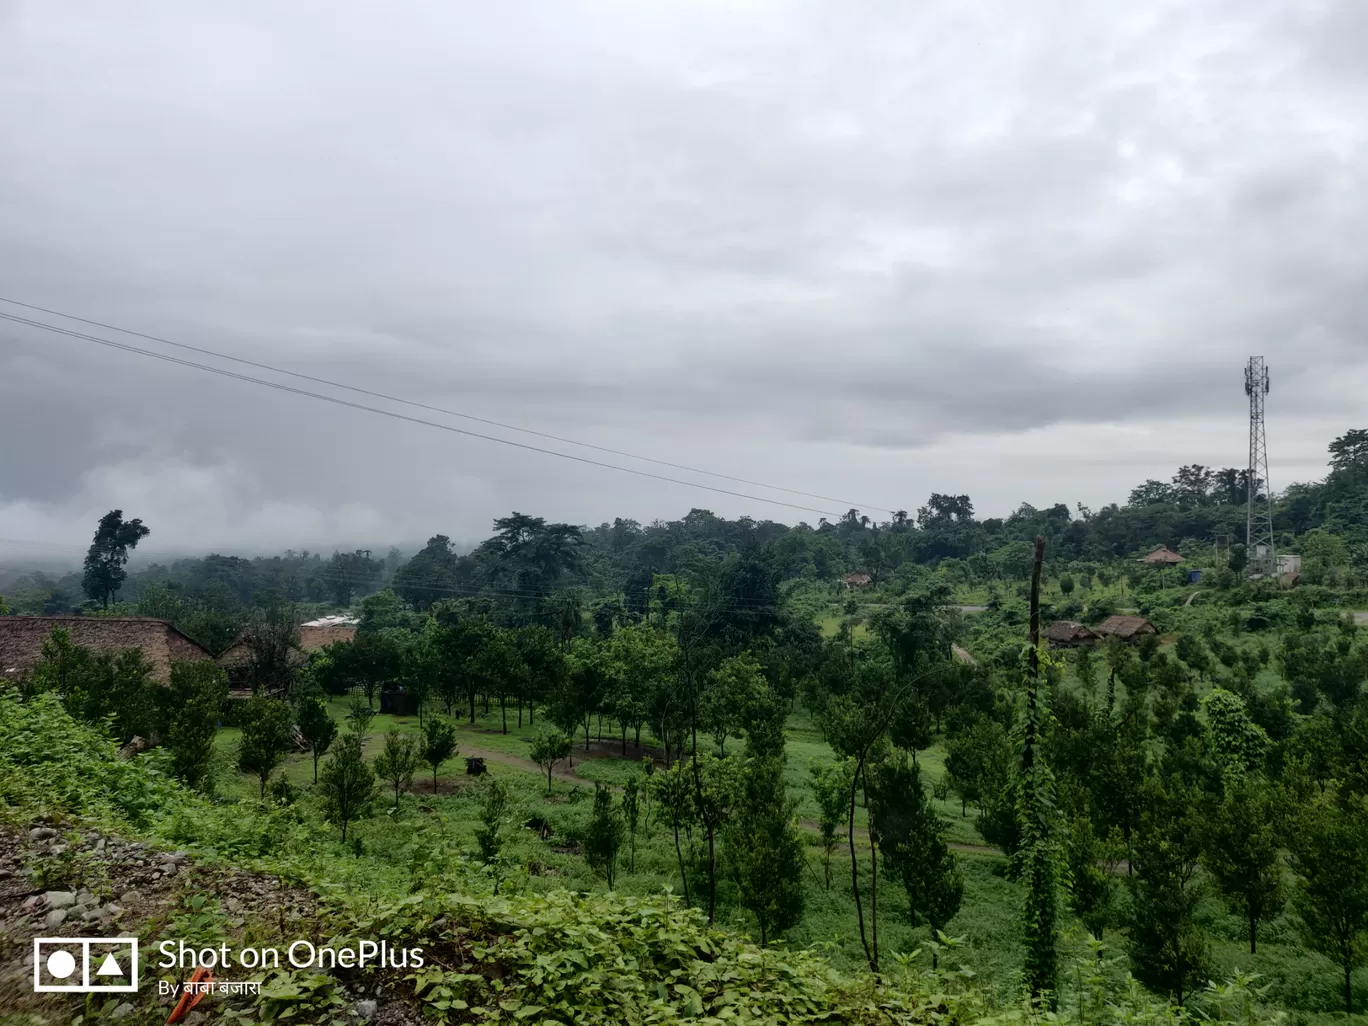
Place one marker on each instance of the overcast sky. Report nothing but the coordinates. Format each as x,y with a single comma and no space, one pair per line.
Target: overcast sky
1018,249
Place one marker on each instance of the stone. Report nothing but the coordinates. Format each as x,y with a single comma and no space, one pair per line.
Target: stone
92,915
54,919
59,899
366,1010
84,897
156,876
41,833
113,909
129,897
100,844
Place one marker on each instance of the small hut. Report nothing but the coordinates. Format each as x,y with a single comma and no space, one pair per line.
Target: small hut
857,580
1068,634
1162,556
1129,629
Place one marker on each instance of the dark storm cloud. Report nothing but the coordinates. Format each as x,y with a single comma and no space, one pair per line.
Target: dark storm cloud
870,252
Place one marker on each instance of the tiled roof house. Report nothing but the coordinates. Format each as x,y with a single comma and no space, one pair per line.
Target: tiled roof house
22,637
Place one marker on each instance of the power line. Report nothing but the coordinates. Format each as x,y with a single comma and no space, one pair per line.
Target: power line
402,416
425,406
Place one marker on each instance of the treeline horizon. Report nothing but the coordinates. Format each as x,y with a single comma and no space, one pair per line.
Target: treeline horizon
528,557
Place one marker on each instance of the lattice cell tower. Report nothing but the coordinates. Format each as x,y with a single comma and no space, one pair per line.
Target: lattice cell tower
1259,515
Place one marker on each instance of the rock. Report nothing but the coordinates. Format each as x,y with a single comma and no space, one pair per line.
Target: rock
129,897
113,910
123,1011
100,846
41,833
92,915
5,874
75,910
84,897
59,899
366,1010
156,876
54,919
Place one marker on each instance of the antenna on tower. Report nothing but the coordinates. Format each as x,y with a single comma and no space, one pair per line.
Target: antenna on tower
1259,496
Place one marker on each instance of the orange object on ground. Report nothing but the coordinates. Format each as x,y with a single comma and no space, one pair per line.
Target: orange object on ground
188,1001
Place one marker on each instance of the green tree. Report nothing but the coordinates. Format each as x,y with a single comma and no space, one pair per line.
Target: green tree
1236,742
439,745
273,640
631,813
347,784
729,697
1168,950
1241,852
1038,858
194,700
603,840
1332,894
762,848
674,792
359,715
548,748
977,762
1092,862
912,838
107,557
429,576
584,688
397,762
830,785
319,729
489,834
716,789
265,737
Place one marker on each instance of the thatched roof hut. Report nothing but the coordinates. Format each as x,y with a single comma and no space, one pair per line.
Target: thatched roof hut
1127,628
1162,556
1068,634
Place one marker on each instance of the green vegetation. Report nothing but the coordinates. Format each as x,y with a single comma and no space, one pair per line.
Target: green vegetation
913,808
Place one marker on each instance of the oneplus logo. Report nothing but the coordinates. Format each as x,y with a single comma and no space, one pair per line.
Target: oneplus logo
85,965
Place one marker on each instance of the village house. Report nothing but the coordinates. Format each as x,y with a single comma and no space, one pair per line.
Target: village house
1162,556
22,637
316,634
1068,634
1129,629
857,580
